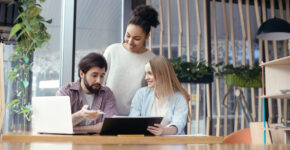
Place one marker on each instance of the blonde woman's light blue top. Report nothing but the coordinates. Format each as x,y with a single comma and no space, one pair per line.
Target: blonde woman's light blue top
177,112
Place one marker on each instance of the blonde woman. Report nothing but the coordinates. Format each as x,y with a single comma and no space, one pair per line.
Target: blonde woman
164,96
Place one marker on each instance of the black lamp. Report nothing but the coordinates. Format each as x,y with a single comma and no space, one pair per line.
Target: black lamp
274,29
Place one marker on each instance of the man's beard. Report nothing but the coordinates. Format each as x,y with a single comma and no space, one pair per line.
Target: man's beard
90,88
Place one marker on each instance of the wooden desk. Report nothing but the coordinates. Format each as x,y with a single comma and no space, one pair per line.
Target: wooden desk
71,146
97,139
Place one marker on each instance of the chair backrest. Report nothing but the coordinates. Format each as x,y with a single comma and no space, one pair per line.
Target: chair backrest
239,137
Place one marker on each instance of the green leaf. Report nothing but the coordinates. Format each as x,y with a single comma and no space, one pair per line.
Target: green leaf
24,6
15,101
23,84
19,93
21,33
25,59
11,3
49,21
26,22
15,29
35,12
24,111
16,68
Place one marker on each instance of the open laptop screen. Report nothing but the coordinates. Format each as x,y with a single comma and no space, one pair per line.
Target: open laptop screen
52,114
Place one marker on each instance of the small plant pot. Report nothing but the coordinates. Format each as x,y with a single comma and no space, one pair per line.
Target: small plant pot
240,82
205,79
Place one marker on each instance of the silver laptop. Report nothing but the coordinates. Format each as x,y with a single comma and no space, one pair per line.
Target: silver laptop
52,115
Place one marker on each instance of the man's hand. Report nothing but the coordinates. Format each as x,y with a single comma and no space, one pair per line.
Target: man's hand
90,114
157,129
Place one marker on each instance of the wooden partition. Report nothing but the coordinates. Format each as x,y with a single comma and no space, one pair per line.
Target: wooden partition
237,39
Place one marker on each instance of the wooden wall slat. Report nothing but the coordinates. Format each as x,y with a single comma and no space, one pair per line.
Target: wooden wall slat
161,26
199,34
226,59
285,46
218,123
180,28
233,56
2,90
267,59
232,32
243,28
187,29
272,6
284,54
208,99
150,37
279,105
188,56
282,17
169,29
258,19
264,18
244,37
288,12
288,53
253,100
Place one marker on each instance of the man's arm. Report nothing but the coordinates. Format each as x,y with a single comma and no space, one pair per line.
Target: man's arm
85,114
110,107
90,128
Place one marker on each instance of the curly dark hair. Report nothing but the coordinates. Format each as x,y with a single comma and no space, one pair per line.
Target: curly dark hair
92,60
144,16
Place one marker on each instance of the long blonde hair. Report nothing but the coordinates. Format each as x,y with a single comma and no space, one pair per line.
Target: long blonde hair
165,77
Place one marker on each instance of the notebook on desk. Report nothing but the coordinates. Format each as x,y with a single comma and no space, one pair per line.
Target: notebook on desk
52,115
123,125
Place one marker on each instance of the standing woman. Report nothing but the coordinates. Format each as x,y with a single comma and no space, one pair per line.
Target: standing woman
164,96
126,60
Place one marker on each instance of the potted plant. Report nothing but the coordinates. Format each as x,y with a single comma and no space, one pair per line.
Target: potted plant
194,72
242,76
31,33
200,72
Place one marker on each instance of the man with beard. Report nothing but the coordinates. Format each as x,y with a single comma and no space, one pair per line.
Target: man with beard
90,101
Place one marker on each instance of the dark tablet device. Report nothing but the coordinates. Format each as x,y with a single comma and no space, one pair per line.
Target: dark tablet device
128,125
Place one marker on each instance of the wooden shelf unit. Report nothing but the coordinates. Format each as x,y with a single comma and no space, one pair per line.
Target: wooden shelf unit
277,77
283,96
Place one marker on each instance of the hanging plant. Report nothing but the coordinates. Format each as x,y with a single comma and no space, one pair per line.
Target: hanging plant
194,72
31,33
201,72
242,76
